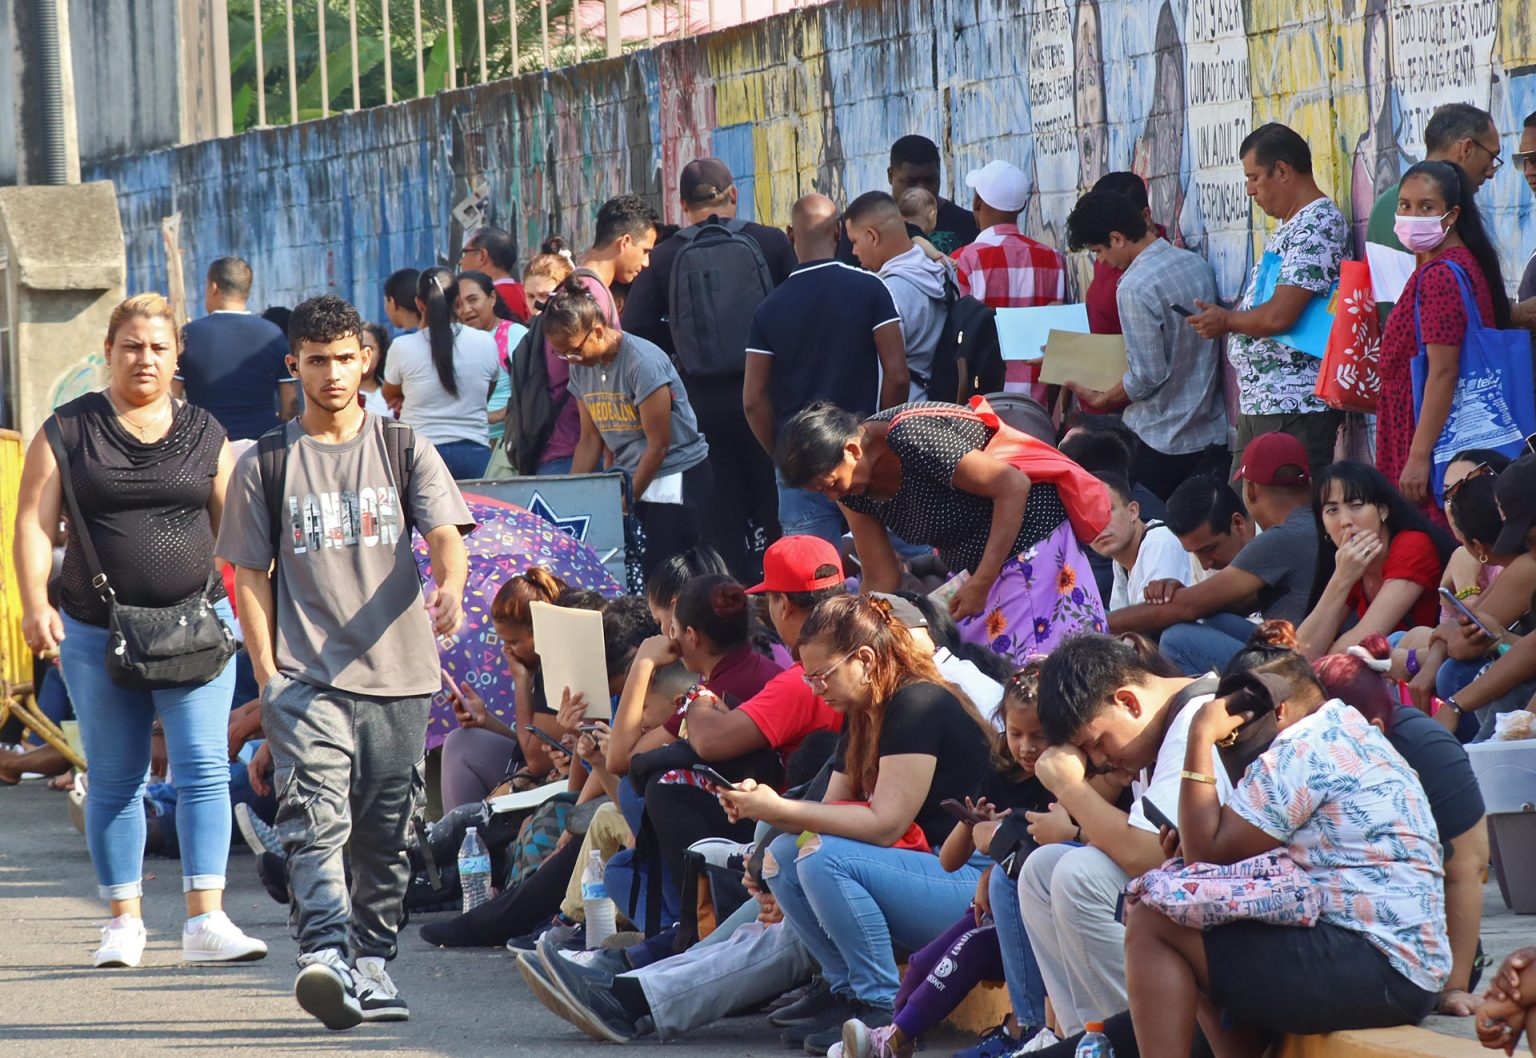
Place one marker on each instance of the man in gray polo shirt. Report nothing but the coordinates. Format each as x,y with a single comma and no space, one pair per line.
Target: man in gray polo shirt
1172,389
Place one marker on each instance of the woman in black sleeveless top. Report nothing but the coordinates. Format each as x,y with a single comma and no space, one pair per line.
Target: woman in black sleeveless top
149,474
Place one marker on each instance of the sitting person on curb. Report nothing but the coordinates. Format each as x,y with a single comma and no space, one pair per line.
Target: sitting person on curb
909,742
1101,706
1332,793
1142,552
1204,625
1378,558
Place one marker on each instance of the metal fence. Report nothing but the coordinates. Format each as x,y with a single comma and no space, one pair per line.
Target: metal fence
294,60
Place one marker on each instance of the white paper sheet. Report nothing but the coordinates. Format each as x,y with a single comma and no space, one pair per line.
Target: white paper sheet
570,645
1390,270
1022,333
514,802
668,488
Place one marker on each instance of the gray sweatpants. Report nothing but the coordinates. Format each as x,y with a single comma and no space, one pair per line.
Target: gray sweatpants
347,775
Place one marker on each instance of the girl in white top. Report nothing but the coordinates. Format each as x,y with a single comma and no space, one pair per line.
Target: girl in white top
443,375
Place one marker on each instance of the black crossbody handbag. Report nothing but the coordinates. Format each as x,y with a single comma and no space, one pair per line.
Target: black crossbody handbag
150,647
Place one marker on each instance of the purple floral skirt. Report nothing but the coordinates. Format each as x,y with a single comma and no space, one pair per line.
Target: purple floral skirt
1044,594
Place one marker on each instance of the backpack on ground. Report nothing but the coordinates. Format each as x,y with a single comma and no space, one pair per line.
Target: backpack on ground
719,278
272,462
968,358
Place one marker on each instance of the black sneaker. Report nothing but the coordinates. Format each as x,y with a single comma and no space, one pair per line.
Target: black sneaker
817,998
588,993
568,934
830,1019
377,994
327,989
273,872
818,1043
794,995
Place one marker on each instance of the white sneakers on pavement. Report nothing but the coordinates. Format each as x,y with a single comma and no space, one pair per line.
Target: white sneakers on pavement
327,988
377,994
217,939
122,942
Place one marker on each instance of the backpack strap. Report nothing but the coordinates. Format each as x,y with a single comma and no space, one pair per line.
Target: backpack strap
77,524
400,448
272,463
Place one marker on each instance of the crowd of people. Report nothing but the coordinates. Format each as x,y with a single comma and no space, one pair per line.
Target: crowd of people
969,686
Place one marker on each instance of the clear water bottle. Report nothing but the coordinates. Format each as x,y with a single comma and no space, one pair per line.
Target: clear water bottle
596,907
1094,1043
474,870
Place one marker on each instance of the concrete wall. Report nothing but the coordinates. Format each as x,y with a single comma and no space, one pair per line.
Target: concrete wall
147,74
1068,89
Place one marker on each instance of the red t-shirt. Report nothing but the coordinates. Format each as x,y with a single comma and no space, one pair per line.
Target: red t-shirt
1411,556
786,711
513,298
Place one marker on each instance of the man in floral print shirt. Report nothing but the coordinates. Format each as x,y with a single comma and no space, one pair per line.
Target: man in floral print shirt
1274,381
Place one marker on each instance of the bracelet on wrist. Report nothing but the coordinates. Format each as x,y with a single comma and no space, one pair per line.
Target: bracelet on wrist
1195,776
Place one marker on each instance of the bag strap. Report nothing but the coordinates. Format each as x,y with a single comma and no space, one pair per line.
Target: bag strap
76,519
272,463
400,448
1468,299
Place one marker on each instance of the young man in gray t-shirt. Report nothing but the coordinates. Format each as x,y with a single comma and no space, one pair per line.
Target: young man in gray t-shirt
342,644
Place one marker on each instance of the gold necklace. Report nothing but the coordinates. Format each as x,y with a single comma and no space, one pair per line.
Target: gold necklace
140,428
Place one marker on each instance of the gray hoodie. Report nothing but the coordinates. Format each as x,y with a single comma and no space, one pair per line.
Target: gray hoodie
916,283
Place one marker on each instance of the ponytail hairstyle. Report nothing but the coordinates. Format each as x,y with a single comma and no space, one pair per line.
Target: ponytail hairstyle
1357,678
573,310
850,623
511,603
715,606
664,582
1020,691
1451,181
438,291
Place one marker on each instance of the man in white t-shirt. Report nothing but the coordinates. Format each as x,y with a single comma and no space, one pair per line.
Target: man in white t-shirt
1102,710
1142,552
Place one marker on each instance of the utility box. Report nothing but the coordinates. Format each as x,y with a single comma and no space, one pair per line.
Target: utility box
1506,775
62,269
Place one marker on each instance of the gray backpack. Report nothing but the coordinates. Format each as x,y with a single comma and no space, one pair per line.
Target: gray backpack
719,278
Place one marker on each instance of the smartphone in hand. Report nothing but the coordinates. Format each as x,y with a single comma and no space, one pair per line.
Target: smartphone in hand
1462,608
961,812
714,778
1182,311
1156,814
545,737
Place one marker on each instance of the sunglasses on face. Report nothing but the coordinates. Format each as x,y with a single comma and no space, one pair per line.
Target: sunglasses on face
1482,470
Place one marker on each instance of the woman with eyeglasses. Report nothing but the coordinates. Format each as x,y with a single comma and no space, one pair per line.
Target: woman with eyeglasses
1439,223
856,872
1378,558
633,404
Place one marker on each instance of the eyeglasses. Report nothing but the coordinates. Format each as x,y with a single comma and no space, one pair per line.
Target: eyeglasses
1482,470
817,681
1523,159
572,354
1493,155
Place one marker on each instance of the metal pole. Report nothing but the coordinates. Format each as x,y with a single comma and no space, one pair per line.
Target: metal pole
451,80
389,65
544,28
293,73
421,72
357,84
325,77
480,21
512,21
613,32
743,10
711,16
261,69
576,28
650,32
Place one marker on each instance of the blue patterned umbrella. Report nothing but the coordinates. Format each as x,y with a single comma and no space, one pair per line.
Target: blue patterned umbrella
507,540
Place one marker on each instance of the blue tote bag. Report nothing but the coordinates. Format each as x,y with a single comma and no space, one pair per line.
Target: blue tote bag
1494,405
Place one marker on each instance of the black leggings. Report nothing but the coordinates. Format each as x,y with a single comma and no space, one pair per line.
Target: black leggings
516,911
745,518
672,528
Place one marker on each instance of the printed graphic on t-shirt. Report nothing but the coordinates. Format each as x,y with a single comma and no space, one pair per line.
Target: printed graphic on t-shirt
369,517
611,410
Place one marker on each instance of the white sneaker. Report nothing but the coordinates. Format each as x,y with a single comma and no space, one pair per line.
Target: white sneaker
327,988
1042,1039
836,1050
377,994
218,939
259,836
122,942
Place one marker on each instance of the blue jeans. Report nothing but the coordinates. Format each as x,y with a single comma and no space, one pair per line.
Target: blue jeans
114,726
851,901
806,513
466,460
1206,645
1026,987
555,466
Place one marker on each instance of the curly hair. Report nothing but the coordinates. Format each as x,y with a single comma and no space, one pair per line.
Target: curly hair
323,319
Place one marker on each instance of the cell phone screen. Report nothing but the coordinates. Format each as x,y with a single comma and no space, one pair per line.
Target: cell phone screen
714,777
1462,608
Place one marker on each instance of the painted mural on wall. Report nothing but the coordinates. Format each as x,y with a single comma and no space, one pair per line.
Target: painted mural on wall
1067,89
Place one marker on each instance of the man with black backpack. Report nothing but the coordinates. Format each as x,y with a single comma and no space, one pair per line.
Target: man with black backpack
696,302
317,523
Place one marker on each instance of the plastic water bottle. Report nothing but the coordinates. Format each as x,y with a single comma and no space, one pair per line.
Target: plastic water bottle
596,907
1094,1043
474,870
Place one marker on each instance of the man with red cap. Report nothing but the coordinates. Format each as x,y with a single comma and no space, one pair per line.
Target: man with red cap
1270,573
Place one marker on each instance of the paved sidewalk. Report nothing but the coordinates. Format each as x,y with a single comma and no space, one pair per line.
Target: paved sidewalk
466,1004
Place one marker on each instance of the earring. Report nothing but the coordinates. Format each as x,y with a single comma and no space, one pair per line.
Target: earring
1135,708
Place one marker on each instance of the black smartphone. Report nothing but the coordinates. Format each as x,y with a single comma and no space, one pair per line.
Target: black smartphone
1460,607
1154,813
960,812
1182,311
714,777
587,729
553,742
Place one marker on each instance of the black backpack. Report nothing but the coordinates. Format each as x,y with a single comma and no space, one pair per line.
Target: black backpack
968,358
531,413
272,461
719,278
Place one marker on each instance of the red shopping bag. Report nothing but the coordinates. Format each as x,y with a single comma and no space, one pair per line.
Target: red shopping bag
1349,377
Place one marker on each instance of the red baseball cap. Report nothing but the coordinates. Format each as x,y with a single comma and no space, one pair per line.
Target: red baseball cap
1274,459
790,564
